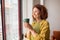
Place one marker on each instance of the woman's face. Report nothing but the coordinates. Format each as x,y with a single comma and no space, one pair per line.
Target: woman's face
36,13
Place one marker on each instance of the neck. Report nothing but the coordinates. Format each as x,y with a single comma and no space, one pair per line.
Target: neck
38,20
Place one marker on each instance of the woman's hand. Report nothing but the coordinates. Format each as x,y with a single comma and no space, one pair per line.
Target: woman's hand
27,25
27,35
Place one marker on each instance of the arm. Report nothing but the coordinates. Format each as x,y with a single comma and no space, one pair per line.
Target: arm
44,29
44,32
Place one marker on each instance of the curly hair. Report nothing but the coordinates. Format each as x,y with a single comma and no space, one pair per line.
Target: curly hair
43,10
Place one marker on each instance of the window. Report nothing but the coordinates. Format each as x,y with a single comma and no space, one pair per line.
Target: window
11,19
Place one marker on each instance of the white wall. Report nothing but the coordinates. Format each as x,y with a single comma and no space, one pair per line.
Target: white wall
36,2
53,7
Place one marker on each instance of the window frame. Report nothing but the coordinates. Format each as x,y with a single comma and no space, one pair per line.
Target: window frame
3,19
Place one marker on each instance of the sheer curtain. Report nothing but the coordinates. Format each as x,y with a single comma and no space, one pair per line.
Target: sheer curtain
0,25
11,19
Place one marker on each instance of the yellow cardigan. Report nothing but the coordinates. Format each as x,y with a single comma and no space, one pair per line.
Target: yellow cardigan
42,29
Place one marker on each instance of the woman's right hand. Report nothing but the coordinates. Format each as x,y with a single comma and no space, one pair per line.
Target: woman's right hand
28,26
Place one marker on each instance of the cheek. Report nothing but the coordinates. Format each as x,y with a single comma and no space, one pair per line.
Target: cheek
37,14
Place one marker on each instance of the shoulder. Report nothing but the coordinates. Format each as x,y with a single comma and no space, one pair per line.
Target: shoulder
44,22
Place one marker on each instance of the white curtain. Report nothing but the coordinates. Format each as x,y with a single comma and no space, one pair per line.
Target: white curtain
11,19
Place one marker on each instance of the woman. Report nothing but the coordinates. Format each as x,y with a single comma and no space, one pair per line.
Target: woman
39,30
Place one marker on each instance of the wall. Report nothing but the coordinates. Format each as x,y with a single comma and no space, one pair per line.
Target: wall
53,7
36,2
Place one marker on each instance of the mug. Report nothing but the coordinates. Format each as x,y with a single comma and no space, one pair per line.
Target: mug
26,20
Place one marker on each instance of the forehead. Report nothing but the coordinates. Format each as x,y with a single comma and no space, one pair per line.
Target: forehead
35,9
